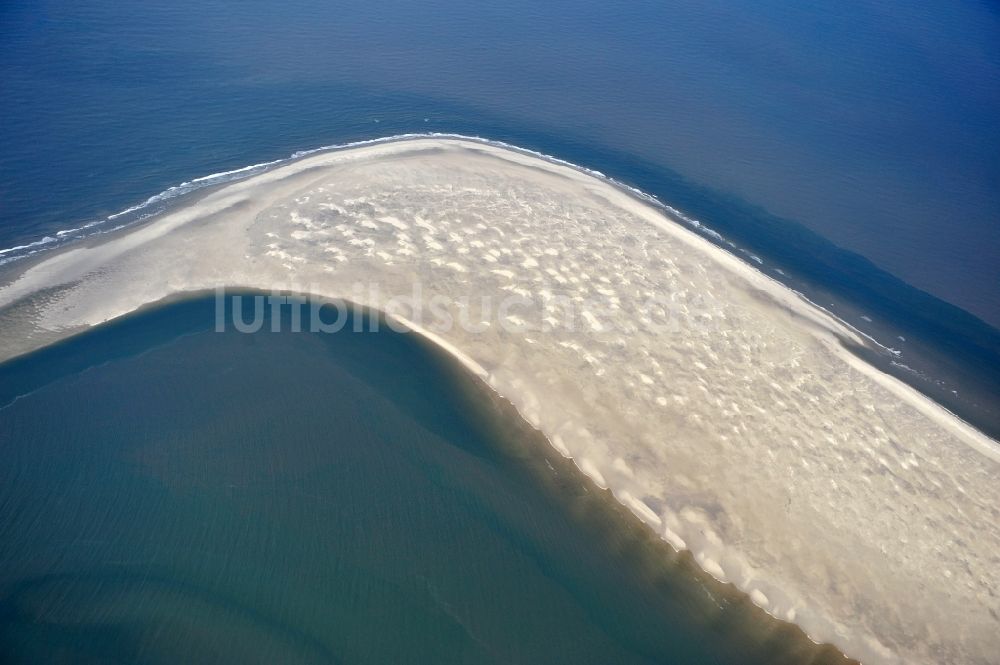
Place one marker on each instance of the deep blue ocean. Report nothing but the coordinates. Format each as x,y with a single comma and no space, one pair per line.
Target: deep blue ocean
855,146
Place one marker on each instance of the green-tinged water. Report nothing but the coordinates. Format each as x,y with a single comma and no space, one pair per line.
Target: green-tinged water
169,494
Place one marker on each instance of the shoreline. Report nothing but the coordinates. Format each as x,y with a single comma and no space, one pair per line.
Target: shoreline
882,356
814,327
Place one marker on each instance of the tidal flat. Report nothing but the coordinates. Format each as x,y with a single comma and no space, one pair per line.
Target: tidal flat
719,407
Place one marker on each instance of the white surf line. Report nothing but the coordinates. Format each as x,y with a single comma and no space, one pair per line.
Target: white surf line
223,177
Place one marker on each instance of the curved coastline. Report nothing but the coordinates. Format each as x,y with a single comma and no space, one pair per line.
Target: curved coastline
95,272
927,376
204,185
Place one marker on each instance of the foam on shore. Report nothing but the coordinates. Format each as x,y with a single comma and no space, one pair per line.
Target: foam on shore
832,494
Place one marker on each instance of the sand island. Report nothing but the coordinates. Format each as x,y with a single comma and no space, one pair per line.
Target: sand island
720,407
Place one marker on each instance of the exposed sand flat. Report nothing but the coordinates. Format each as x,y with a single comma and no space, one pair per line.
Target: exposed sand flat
716,404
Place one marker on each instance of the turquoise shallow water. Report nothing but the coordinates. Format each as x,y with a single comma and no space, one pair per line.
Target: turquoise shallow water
170,494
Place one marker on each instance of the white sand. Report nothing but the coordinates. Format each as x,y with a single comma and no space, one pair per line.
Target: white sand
834,495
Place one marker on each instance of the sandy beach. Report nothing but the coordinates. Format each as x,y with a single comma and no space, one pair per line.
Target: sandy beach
719,406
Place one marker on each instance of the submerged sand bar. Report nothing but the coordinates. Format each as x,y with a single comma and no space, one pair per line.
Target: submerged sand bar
717,404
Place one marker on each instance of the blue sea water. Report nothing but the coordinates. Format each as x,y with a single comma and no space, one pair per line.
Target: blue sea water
855,146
